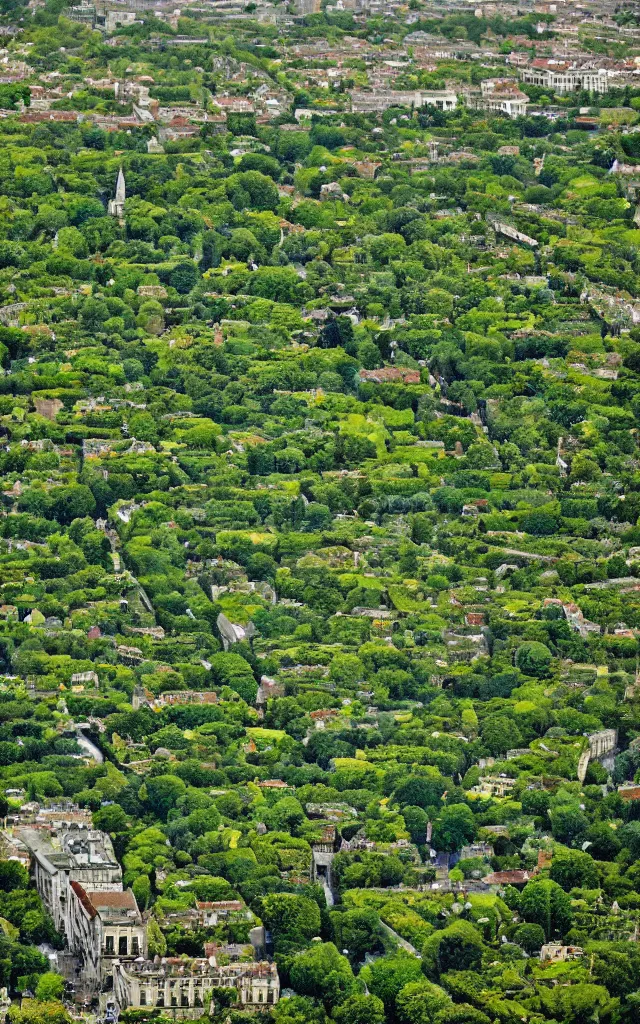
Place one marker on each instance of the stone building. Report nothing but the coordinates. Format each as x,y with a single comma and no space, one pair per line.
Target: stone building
185,986
494,785
100,927
557,953
73,854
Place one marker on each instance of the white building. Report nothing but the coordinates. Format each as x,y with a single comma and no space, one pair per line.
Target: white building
561,76
498,95
381,99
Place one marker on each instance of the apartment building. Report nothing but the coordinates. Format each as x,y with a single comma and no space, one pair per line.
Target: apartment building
64,855
100,927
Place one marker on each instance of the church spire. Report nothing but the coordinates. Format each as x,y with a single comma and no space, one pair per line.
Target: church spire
120,188
116,205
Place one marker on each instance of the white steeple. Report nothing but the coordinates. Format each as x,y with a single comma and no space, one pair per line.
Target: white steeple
116,205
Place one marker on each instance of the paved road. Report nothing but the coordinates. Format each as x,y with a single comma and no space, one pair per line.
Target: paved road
89,747
328,895
401,942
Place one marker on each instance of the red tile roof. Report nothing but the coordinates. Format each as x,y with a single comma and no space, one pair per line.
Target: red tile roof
518,877
391,373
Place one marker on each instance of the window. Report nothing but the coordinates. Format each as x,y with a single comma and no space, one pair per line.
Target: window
143,997
160,999
109,947
122,945
135,946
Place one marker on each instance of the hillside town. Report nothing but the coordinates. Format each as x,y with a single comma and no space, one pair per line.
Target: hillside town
319,512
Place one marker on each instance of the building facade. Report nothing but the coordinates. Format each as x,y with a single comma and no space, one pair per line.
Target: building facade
498,95
80,881
185,987
381,99
69,854
563,77
100,927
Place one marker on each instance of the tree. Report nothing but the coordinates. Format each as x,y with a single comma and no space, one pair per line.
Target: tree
34,1011
69,503
469,720
530,936
605,842
574,870
540,524
568,824
533,659
287,814
142,891
110,819
458,947
163,793
289,916
419,1001
253,190
535,801
461,1013
323,972
543,902
360,1009
230,669
151,317
356,931
630,837
13,876
346,669
299,1010
454,827
50,987
581,1003
500,733
438,301
184,277
385,247
278,283
156,942
211,888
387,976
416,821
618,971
421,790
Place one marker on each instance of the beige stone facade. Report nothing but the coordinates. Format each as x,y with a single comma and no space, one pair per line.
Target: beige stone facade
185,986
